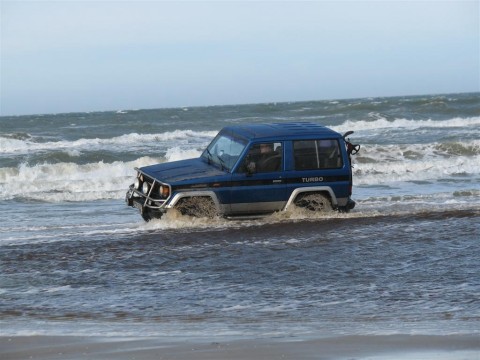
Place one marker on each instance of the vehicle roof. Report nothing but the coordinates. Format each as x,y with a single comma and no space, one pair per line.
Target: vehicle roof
286,130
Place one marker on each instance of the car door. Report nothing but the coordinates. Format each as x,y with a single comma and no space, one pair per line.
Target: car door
258,184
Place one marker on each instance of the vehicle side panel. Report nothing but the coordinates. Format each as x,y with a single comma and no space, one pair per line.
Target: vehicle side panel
257,193
338,180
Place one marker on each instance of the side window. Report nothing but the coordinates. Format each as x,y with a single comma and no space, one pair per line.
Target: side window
317,154
263,157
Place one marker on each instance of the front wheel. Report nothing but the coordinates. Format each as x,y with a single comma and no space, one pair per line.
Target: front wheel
149,214
146,215
314,202
200,206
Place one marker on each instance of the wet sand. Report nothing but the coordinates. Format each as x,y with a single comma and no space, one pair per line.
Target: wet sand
458,347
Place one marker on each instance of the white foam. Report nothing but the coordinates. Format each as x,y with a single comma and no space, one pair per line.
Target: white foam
178,153
80,182
382,123
382,164
69,181
11,145
375,164
127,141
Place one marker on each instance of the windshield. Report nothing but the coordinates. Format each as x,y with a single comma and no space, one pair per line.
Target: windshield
224,151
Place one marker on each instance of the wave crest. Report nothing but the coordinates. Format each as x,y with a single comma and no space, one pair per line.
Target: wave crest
378,164
375,165
69,181
383,123
15,145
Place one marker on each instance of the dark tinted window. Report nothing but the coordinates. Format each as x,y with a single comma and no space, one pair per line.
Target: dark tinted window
264,157
317,154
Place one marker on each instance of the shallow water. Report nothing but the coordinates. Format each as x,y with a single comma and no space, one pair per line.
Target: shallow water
340,275
75,260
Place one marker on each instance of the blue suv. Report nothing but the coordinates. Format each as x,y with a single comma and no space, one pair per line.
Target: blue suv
252,170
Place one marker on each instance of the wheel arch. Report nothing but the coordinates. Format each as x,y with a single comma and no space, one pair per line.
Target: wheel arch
190,194
312,189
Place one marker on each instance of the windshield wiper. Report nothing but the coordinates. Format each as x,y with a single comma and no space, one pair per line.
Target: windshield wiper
220,160
210,156
222,163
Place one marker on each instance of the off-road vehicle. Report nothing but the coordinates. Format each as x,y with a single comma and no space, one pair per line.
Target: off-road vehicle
251,170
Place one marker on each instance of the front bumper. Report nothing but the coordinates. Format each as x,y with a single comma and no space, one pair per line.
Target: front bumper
148,208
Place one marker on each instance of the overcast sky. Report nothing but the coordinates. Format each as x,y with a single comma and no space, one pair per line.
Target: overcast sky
69,56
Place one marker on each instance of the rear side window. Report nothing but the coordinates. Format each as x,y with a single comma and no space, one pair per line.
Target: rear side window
317,154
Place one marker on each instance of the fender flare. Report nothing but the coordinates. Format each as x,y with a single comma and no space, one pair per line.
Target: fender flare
310,189
187,194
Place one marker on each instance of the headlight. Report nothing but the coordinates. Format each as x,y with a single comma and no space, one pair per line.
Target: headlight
164,191
137,184
145,188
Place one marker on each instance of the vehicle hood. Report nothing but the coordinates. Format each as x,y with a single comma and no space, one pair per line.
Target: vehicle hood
183,171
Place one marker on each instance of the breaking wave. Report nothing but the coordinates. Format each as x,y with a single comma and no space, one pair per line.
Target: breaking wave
69,181
10,144
383,123
375,164
385,164
23,143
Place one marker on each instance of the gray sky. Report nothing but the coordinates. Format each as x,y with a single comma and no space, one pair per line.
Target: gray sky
69,56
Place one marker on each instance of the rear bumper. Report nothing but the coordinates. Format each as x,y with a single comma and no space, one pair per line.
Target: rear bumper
350,204
347,207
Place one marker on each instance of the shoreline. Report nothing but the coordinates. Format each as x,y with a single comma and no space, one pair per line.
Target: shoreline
442,347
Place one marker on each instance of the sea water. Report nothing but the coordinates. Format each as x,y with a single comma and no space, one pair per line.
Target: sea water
74,259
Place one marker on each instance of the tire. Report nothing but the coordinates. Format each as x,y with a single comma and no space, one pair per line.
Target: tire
314,202
146,216
200,206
